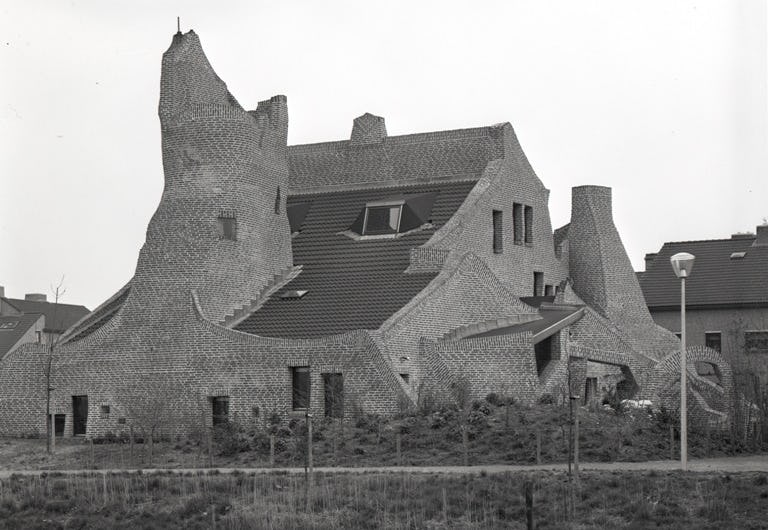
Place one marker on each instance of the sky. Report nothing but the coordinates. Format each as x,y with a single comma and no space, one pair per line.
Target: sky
665,102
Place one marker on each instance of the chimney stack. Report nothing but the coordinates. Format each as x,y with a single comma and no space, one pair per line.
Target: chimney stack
2,291
762,236
649,259
35,297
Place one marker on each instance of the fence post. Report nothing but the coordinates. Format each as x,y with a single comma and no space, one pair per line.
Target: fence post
310,462
465,443
93,456
398,445
271,450
576,441
538,447
210,447
707,434
131,446
528,490
671,442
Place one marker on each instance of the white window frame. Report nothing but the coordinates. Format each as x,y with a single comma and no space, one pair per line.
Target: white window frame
383,204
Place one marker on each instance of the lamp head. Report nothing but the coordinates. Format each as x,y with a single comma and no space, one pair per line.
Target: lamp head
682,264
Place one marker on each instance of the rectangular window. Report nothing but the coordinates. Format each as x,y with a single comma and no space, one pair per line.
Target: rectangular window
678,334
498,232
382,220
227,228
529,225
334,395
712,339
756,341
548,290
519,226
406,378
220,409
300,385
538,283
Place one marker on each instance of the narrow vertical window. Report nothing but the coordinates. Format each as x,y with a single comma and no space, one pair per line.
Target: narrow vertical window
300,387
538,283
517,219
528,225
498,232
278,200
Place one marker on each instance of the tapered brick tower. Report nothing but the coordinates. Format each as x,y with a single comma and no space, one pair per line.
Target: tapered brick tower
221,226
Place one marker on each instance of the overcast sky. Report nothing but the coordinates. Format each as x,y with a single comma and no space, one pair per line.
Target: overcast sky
664,101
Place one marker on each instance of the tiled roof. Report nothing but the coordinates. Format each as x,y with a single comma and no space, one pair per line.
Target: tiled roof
100,316
413,158
57,317
551,317
716,280
350,284
10,336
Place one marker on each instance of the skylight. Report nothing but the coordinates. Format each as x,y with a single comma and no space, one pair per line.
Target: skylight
293,295
738,255
8,325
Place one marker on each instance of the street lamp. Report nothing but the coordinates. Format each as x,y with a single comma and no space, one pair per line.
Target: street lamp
682,264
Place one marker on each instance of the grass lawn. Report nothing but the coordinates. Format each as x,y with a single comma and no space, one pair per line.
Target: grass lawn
598,500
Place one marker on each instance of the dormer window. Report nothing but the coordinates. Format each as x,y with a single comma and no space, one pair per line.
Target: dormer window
382,218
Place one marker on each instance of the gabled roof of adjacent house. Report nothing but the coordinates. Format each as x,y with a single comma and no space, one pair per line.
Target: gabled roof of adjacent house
721,277
13,328
58,317
350,283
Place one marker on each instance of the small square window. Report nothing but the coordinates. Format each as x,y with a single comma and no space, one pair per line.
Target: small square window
121,421
382,220
406,378
105,409
549,290
712,339
227,228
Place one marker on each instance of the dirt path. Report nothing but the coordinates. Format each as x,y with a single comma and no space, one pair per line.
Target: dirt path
736,464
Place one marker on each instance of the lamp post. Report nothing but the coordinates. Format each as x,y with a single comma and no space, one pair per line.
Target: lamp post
682,264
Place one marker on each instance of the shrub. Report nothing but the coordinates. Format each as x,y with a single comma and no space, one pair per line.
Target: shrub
481,406
546,399
498,400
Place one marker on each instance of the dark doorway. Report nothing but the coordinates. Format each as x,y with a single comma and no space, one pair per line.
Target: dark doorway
334,395
220,409
58,424
79,415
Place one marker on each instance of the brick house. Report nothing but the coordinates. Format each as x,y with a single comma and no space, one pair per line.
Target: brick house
361,274
34,320
726,301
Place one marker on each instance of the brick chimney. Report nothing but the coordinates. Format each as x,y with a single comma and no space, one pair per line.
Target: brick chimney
762,236
2,291
368,129
649,259
35,297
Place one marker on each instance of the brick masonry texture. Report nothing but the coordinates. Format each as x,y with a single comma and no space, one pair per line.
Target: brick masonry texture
163,343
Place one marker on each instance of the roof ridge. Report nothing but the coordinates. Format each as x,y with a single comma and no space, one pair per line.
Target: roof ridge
462,133
744,238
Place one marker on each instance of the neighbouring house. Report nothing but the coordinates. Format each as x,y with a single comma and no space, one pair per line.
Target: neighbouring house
367,274
726,301
34,320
